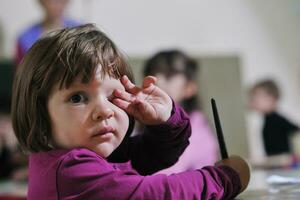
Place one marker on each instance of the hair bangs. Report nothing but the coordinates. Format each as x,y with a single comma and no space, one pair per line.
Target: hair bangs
85,57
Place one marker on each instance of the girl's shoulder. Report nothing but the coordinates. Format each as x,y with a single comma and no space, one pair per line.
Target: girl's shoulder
79,159
59,156
79,154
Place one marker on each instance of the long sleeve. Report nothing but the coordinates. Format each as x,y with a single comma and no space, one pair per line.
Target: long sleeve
158,147
276,132
82,175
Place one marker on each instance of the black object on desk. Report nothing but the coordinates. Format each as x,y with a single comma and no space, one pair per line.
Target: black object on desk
219,130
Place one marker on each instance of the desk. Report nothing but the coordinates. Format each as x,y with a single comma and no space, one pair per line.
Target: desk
11,188
259,189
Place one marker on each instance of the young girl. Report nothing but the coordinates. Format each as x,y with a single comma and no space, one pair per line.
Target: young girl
177,75
73,108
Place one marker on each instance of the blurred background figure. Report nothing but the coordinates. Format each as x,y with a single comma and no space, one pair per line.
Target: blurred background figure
53,19
177,75
276,131
6,142
13,163
7,137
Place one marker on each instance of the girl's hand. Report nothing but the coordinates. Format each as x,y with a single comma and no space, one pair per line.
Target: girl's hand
148,104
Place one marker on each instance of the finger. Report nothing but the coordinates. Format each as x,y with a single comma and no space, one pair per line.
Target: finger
121,103
148,81
137,101
129,86
130,108
150,90
123,95
141,105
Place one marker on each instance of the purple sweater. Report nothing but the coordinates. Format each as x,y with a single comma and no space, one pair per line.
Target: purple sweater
82,174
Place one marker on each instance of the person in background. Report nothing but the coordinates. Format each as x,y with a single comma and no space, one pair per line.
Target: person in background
277,129
72,110
177,75
53,19
13,163
7,142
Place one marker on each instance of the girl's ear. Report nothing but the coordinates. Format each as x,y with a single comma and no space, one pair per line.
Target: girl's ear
190,90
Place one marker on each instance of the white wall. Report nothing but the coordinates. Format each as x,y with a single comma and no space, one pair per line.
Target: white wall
264,33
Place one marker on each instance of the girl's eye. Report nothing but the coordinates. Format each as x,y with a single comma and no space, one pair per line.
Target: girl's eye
78,98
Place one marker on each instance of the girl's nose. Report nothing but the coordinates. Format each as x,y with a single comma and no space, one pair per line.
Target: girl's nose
102,113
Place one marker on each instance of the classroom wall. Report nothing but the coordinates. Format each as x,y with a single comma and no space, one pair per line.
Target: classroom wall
264,34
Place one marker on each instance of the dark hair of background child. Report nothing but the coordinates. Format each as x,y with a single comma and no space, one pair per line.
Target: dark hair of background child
173,62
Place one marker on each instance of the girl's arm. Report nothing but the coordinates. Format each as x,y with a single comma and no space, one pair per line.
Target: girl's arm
158,147
84,175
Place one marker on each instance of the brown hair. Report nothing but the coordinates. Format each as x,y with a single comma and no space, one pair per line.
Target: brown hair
58,58
269,86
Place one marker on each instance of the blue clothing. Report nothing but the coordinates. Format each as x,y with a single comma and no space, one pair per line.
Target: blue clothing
32,34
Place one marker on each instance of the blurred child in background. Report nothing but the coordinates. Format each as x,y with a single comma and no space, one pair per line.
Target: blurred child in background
264,97
13,163
177,75
53,19
7,141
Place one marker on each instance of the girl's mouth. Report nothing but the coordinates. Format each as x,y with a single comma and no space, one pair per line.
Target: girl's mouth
104,130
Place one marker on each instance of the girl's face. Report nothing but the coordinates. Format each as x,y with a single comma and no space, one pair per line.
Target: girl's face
84,116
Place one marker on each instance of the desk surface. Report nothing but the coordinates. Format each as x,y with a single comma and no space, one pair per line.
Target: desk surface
259,188
18,189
